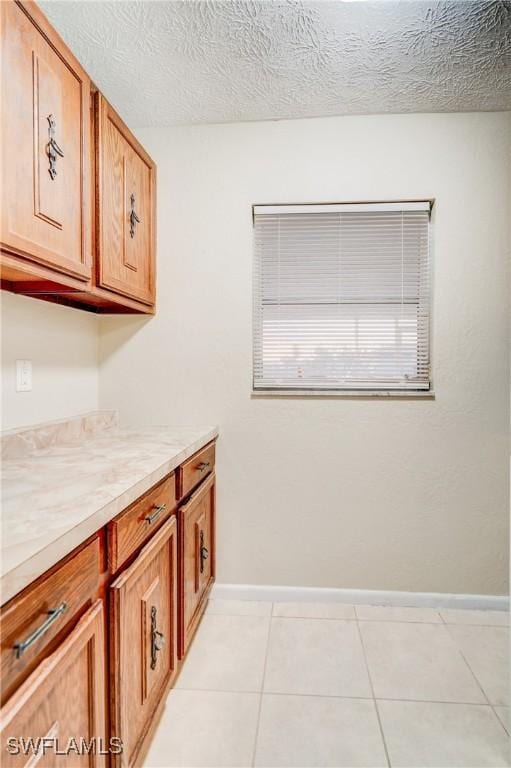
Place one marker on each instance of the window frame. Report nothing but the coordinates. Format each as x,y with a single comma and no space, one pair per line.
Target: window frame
338,392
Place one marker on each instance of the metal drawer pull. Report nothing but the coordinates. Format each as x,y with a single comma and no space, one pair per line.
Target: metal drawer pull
158,509
202,466
53,615
203,551
157,638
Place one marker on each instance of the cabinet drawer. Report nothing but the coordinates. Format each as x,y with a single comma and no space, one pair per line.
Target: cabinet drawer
62,701
196,524
136,524
195,469
34,618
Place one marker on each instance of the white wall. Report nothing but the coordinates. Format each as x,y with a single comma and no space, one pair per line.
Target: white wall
63,346
399,494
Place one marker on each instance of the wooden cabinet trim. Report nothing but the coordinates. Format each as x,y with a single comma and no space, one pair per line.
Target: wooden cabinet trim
126,132
143,557
200,491
36,15
31,279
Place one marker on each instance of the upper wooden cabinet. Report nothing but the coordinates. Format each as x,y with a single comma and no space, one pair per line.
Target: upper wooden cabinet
45,145
125,235
78,191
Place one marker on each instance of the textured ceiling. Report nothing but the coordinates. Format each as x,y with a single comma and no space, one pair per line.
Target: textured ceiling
167,63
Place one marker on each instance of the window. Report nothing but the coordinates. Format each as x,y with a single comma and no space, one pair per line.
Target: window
341,297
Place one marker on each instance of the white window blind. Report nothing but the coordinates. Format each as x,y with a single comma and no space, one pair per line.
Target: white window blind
341,297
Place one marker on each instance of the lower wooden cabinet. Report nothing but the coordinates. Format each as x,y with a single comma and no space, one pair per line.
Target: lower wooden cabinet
61,706
149,593
143,639
197,558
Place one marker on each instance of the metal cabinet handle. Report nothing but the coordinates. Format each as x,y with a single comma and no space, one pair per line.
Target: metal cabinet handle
52,148
53,615
203,465
203,551
157,639
158,509
134,220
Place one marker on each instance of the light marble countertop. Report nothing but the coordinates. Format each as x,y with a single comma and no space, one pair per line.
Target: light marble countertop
54,498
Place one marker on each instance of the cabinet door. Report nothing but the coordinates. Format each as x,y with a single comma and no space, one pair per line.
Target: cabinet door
45,176
125,212
60,707
143,638
197,558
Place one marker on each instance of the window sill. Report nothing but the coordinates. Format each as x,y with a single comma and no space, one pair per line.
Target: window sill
347,393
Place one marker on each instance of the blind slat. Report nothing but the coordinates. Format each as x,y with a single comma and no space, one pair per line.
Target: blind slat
341,297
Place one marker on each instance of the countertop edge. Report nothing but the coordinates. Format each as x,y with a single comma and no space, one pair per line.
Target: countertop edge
18,578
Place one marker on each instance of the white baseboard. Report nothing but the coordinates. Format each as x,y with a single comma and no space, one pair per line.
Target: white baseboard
276,594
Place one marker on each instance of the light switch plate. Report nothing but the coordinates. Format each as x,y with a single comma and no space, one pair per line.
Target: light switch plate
23,375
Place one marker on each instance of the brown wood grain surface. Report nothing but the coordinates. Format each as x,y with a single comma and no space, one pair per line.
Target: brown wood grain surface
125,256
195,469
62,699
76,583
135,525
196,523
45,216
136,685
68,172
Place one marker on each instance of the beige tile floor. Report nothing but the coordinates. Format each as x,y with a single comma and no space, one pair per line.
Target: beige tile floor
325,684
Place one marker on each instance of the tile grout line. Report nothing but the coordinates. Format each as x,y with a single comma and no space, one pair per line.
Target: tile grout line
479,685
256,736
476,679
488,702
387,756
494,706
363,621
468,623
356,617
346,698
